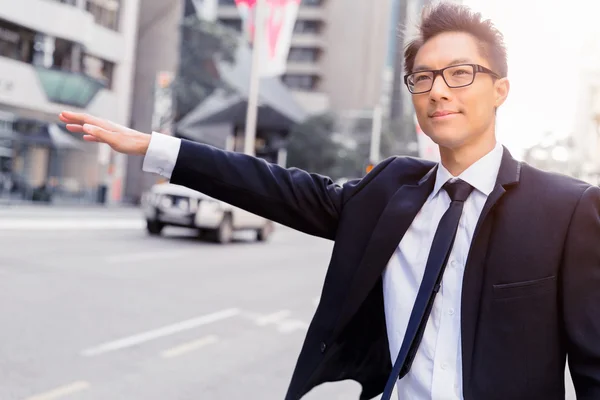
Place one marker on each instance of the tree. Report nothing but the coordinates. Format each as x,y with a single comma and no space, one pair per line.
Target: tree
203,44
316,147
311,147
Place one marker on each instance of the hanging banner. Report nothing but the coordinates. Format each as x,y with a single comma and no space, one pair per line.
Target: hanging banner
280,18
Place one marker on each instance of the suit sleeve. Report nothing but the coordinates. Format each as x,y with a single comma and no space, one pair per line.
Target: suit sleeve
310,203
581,295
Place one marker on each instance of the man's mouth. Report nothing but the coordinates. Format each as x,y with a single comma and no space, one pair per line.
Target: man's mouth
443,114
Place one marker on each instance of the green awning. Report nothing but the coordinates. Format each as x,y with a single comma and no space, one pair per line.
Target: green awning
69,88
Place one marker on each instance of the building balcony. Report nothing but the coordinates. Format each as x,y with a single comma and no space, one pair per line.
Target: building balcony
36,90
308,40
304,12
66,22
312,13
303,68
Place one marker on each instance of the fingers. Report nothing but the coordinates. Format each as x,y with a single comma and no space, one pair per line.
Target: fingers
75,128
64,119
69,117
101,134
72,118
89,138
90,132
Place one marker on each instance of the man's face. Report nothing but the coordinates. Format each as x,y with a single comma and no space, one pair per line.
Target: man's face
454,117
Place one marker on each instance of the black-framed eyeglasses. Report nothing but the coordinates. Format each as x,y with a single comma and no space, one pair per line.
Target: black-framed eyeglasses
455,76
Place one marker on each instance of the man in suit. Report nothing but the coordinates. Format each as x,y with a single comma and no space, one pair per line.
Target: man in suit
519,248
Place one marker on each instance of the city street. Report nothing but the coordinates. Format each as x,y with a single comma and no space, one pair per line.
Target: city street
90,312
91,308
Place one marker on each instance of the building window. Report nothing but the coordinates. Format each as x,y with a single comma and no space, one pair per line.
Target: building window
301,82
235,24
63,55
16,42
105,12
98,69
312,3
304,26
303,54
227,2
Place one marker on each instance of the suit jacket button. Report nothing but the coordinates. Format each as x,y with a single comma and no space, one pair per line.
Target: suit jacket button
323,347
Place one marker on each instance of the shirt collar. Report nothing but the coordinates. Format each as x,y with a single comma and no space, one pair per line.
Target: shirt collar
481,175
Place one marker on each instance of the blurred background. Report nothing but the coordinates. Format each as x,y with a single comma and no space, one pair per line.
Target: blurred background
116,285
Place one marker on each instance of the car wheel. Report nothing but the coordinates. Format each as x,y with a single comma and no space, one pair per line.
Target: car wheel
262,235
153,227
224,233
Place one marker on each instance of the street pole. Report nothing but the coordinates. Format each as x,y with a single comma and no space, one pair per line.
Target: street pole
252,109
376,134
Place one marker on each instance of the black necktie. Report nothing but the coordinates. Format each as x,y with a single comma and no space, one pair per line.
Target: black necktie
443,240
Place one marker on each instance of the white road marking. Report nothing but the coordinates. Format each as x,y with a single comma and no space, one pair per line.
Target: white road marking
62,391
190,346
272,318
71,224
147,255
279,319
143,337
291,325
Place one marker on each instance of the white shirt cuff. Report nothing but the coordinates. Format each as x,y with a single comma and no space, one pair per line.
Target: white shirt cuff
162,154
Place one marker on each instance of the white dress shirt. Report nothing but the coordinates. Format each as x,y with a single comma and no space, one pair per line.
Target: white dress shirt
161,155
436,372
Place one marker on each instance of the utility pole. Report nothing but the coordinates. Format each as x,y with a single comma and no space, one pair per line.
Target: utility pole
376,135
252,108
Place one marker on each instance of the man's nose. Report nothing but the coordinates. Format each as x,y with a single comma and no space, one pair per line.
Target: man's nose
439,89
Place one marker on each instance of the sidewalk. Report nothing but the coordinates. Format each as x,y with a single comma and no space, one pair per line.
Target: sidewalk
28,211
78,224
16,203
33,217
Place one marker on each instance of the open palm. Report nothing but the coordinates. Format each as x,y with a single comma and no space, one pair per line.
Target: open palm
118,137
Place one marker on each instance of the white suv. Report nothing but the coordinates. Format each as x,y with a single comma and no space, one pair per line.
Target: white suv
168,204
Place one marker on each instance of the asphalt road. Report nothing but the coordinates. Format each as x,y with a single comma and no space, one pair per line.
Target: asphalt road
91,308
92,312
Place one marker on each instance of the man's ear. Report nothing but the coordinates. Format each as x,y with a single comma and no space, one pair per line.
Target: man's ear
501,88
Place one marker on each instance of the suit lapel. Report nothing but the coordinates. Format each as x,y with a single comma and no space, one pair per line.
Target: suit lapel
391,226
508,176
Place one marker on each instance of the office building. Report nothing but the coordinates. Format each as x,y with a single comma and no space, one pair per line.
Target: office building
56,55
338,52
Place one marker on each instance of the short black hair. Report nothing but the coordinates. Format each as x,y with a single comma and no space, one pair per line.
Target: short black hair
450,17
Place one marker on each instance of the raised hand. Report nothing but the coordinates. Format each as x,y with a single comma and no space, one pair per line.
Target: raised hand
118,137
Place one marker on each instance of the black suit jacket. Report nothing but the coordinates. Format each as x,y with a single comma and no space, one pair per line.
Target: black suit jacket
531,288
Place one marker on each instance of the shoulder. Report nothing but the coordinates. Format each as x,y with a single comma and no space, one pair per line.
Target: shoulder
390,173
402,168
555,188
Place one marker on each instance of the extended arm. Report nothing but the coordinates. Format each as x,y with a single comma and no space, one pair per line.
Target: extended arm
307,202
